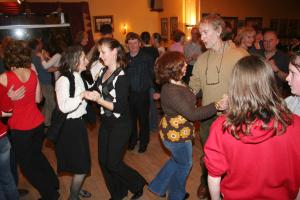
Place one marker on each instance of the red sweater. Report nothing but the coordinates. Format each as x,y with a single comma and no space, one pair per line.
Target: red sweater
258,166
5,106
26,114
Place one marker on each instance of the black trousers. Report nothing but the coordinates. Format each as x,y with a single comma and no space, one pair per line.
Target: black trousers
33,163
139,104
112,145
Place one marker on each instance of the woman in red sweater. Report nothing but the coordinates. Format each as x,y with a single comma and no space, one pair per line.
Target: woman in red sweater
253,151
26,123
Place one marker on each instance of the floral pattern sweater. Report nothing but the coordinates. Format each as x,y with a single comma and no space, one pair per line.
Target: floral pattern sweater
179,106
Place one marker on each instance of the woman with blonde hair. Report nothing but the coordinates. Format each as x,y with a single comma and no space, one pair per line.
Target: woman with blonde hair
245,38
253,151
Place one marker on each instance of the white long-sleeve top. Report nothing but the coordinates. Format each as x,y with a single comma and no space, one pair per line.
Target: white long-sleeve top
54,61
75,106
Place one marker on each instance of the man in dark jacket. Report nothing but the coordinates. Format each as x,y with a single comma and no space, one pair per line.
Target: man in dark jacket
141,73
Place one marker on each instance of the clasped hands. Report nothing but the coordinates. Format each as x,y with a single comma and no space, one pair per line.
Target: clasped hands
223,103
92,96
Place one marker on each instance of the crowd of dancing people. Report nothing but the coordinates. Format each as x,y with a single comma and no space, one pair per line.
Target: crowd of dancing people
250,112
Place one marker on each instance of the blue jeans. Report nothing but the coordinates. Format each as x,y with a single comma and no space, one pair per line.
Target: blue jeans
172,177
8,189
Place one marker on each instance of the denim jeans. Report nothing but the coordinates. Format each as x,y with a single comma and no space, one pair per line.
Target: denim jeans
8,189
172,177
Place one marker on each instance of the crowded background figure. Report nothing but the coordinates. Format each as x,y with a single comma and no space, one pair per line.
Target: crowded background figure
4,43
179,38
153,53
211,74
245,39
176,127
278,60
157,42
112,95
253,150
192,49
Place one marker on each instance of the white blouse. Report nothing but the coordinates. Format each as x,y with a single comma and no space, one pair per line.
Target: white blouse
75,106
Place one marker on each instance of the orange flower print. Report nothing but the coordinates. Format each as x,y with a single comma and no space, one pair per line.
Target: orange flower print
174,122
173,136
163,122
185,132
162,137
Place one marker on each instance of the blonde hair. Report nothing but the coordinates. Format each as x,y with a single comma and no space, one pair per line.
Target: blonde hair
242,33
253,95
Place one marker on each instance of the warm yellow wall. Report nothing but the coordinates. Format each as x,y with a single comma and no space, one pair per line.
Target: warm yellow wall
174,8
135,13
267,9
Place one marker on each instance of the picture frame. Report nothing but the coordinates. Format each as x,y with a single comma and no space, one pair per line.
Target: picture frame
274,24
173,25
104,19
255,22
233,21
164,25
293,28
283,27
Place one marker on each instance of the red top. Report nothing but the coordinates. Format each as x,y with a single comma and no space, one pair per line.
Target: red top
26,114
5,106
258,166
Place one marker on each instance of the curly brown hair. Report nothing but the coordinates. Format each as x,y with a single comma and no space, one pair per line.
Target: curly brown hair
253,95
169,66
17,55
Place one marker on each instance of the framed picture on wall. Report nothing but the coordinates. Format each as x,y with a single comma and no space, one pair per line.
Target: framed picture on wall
231,21
99,20
292,28
164,27
254,22
274,24
283,27
173,25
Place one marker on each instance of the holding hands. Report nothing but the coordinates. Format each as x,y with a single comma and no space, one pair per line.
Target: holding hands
92,96
222,104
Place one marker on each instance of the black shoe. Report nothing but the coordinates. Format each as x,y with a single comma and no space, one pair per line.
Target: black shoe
131,146
142,148
137,195
22,192
85,194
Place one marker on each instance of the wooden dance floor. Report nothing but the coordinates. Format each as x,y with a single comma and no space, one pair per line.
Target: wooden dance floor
148,164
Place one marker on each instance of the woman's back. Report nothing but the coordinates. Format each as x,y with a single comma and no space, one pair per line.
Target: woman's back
257,166
25,112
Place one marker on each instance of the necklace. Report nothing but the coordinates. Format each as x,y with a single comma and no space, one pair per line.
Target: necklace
218,68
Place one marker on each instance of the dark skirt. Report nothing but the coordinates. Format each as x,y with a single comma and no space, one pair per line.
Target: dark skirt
72,148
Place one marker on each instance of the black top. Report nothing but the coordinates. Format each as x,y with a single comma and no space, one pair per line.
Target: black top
140,71
116,90
152,52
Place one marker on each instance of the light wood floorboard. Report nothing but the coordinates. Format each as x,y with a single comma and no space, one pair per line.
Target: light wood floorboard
148,164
